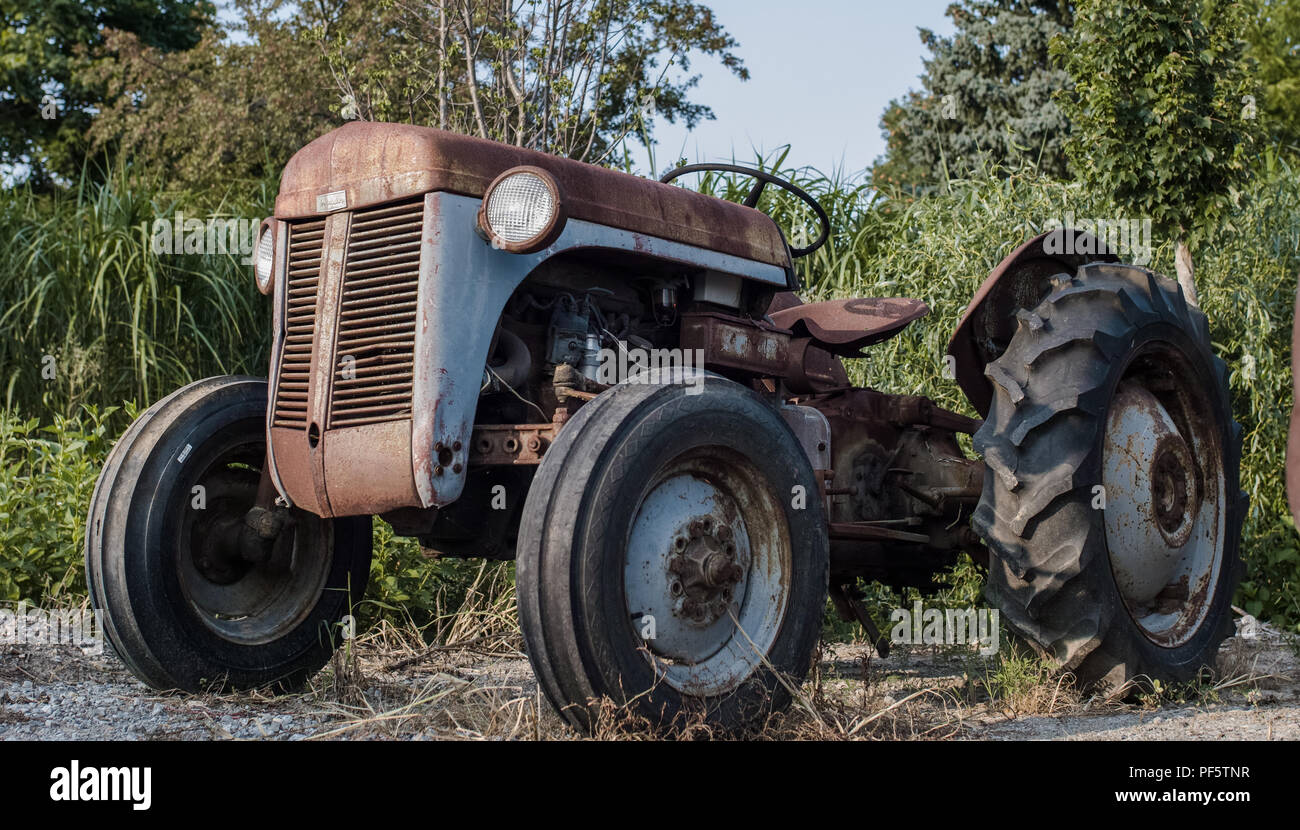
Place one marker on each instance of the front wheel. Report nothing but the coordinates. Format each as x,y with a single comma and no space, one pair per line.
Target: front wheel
1111,503
673,557
182,602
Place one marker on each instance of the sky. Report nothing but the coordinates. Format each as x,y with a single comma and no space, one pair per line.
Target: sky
821,74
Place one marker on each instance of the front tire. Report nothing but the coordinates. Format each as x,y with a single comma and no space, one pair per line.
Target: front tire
1111,504
178,605
673,558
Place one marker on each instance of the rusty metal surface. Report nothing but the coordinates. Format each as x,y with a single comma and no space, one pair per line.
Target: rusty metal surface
813,369
369,163
736,343
844,327
1020,280
810,368
368,468
509,444
900,477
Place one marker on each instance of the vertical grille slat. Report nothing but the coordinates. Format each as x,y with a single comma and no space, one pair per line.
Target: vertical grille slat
306,252
373,363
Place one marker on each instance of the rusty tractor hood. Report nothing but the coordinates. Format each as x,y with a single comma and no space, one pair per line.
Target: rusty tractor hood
373,163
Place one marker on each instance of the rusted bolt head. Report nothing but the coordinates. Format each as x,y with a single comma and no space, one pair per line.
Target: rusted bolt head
437,470
723,533
456,446
534,443
512,445
456,468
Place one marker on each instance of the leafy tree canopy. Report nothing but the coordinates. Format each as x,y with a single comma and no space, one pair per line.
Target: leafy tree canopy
574,77
46,103
986,96
1161,110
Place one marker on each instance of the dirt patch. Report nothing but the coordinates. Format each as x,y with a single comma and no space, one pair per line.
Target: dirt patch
59,693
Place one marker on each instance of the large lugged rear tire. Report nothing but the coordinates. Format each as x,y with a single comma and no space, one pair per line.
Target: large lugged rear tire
673,558
177,605
1111,503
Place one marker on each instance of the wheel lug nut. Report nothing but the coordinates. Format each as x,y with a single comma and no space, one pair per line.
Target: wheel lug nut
723,533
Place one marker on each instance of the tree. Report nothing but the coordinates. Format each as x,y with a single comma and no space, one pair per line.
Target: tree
236,106
1160,108
987,96
572,77
1274,37
46,104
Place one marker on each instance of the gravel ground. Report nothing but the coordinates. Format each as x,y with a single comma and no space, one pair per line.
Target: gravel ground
59,693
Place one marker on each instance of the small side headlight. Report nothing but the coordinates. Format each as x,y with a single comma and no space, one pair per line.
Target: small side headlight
265,258
522,211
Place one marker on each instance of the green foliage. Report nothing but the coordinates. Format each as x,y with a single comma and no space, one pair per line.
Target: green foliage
1274,37
228,111
1160,107
572,78
43,50
986,98
83,294
47,475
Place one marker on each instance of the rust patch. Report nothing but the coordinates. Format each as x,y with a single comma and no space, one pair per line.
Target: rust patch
510,444
737,343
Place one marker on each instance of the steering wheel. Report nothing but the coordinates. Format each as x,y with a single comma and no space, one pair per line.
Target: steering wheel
763,180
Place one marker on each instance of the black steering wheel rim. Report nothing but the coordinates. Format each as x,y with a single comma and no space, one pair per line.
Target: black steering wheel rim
764,178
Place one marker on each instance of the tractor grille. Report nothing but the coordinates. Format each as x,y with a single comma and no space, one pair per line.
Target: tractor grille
306,243
374,361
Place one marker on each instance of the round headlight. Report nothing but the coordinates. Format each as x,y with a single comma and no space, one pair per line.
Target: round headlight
522,211
264,259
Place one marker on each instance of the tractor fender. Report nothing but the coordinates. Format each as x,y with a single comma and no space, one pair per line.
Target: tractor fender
1021,280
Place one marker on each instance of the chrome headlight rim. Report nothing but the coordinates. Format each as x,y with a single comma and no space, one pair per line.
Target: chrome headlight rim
546,235
264,254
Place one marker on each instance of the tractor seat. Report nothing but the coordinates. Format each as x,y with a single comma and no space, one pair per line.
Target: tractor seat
845,327
376,163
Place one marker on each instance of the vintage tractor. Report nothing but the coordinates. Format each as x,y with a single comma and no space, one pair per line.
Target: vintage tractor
447,311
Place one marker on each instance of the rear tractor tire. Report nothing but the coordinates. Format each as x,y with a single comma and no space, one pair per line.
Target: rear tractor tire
1111,504
179,603
673,559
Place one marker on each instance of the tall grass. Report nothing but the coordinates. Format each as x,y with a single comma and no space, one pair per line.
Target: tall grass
90,314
